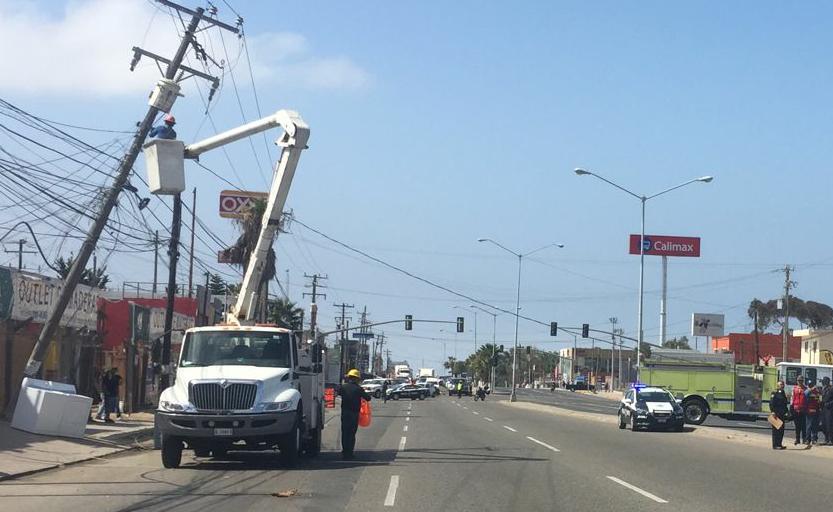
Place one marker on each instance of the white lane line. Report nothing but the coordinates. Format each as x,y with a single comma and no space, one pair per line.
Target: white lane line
487,418
405,428
476,413
637,489
464,407
545,445
408,418
390,499
458,405
509,428
402,443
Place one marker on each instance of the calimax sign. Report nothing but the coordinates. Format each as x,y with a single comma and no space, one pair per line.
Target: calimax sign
661,245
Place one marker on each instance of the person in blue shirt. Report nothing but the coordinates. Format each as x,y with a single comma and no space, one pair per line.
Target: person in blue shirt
165,131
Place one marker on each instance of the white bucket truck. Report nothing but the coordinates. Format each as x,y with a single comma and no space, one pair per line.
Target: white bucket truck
241,385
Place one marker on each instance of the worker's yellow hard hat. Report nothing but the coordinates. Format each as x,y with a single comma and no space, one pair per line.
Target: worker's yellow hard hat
354,373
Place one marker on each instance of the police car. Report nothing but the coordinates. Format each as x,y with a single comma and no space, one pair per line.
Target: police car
650,408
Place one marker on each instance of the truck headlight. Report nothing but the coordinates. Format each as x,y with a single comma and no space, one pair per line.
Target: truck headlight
165,405
276,406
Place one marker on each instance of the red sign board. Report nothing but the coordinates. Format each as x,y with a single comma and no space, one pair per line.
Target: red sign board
661,245
234,202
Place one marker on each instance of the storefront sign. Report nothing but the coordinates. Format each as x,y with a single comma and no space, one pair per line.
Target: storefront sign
25,295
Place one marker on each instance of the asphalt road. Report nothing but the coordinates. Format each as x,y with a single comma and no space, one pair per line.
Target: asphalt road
597,404
447,454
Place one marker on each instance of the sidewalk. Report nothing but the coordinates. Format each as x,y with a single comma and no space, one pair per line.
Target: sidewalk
23,453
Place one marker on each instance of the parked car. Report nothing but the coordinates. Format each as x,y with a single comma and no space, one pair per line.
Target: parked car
373,387
430,387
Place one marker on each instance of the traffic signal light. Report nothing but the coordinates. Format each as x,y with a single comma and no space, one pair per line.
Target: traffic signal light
409,322
553,328
460,325
585,330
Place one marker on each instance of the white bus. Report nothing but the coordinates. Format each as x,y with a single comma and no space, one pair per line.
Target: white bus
812,373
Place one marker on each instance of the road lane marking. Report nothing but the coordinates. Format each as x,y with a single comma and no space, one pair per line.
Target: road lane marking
509,428
408,418
390,499
637,489
405,429
475,412
464,407
545,445
402,443
487,418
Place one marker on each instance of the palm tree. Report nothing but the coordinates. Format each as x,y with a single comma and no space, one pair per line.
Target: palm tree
286,314
96,279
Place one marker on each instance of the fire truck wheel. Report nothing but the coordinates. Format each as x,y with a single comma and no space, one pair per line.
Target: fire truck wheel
696,410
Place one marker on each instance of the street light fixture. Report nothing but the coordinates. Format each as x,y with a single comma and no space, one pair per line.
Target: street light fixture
643,199
520,256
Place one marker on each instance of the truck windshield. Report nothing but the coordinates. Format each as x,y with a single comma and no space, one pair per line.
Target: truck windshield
241,348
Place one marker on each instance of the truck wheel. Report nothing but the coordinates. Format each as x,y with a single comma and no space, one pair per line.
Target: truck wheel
171,452
313,446
290,444
696,411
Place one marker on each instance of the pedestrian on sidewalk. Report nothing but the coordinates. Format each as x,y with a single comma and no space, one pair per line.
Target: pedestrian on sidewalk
827,410
778,406
351,402
799,409
813,396
110,383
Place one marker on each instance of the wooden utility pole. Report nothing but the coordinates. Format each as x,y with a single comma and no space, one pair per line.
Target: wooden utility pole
786,334
20,252
191,259
155,261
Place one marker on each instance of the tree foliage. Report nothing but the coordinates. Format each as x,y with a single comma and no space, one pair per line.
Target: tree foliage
286,314
245,244
816,315
217,285
97,279
678,343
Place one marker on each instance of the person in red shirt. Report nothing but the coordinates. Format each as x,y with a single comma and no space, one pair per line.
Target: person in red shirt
813,395
798,407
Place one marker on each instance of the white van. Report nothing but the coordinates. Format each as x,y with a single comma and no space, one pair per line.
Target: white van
812,373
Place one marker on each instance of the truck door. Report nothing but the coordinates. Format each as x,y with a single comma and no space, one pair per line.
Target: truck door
748,391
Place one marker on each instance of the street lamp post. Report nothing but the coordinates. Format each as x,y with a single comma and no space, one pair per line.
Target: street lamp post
512,396
643,199
494,343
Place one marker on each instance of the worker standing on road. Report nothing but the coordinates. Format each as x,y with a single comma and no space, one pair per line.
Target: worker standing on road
385,391
166,130
827,410
778,406
459,389
799,409
351,401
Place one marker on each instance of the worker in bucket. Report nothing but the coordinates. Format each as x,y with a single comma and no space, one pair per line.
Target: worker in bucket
351,401
165,130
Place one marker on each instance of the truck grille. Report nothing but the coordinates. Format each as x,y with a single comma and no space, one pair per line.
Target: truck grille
212,396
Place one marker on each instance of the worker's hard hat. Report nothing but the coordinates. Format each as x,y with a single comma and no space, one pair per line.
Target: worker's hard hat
169,118
354,373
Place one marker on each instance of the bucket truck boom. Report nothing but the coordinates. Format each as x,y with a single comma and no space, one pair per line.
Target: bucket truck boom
293,141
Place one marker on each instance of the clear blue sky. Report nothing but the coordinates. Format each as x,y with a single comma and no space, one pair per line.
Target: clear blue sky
441,122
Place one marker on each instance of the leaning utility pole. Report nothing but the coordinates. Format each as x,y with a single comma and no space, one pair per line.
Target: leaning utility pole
155,261
111,196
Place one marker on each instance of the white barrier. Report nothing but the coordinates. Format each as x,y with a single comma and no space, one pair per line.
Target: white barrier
51,408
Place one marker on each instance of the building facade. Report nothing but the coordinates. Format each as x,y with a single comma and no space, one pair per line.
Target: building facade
770,347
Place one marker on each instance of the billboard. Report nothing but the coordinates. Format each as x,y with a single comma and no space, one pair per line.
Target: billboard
704,324
662,245
25,295
233,203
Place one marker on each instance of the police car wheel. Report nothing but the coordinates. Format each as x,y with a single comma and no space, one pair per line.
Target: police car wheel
634,428
622,423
